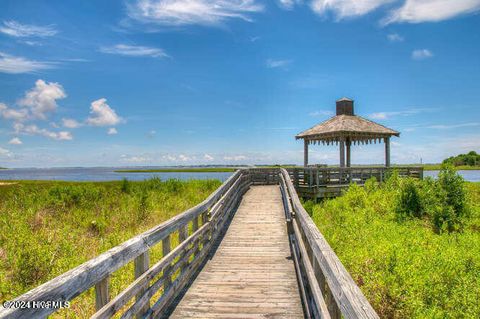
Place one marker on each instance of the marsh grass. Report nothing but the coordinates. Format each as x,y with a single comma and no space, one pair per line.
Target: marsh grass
47,228
407,263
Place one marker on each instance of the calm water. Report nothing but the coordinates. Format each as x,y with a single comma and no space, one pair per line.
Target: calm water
97,174
108,174
471,176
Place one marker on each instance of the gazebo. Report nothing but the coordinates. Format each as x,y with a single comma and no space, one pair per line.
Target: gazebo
344,129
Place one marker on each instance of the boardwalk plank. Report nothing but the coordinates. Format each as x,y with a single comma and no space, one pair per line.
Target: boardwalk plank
251,275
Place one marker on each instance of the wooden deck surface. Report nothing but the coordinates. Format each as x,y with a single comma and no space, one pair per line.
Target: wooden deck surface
251,274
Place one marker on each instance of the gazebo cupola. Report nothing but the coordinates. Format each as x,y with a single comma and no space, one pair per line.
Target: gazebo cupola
345,129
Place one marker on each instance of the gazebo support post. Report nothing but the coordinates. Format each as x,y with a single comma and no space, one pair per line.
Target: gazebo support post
387,151
349,143
342,153
305,153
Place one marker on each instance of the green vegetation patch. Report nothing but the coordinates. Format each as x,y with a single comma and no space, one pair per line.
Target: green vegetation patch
47,228
180,170
469,159
412,246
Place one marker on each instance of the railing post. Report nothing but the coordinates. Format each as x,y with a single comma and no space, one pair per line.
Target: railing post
204,221
182,235
102,295
194,229
142,263
295,176
166,247
332,306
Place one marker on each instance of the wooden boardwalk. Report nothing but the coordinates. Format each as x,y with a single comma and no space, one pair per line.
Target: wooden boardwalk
251,274
249,250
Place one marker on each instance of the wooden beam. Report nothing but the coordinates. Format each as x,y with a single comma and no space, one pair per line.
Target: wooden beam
342,153
102,295
387,151
142,263
305,153
349,143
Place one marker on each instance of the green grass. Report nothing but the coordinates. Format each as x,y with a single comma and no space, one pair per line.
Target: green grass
47,228
180,170
405,267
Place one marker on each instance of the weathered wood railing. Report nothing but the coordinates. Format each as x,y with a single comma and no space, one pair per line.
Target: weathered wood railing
329,181
327,288
196,229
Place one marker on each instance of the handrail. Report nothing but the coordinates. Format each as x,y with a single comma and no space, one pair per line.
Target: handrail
96,271
342,295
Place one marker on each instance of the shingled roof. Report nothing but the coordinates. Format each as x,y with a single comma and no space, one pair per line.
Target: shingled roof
346,125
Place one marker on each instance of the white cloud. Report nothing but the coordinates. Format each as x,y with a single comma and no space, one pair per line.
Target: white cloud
378,116
453,126
321,113
70,123
271,63
190,12
15,65
421,54
395,37
416,11
347,8
134,51
184,158
13,114
112,131
235,158
288,4
15,141
170,158
208,157
152,133
135,158
408,112
16,29
35,130
5,153
42,99
102,114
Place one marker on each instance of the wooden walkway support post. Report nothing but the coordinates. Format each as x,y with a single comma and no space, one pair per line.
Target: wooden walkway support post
102,294
387,151
142,263
342,153
166,247
348,144
305,153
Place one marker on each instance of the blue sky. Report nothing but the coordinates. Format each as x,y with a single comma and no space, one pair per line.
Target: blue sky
163,82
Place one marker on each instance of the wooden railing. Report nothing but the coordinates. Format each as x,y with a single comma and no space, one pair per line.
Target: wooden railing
321,182
196,228
327,288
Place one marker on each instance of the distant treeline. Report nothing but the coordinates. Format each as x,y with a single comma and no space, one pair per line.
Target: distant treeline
471,159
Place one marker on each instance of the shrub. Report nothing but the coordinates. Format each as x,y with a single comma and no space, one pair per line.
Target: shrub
443,202
409,203
455,208
125,187
143,207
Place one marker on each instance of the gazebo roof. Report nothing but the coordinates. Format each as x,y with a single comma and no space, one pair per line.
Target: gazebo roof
346,125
